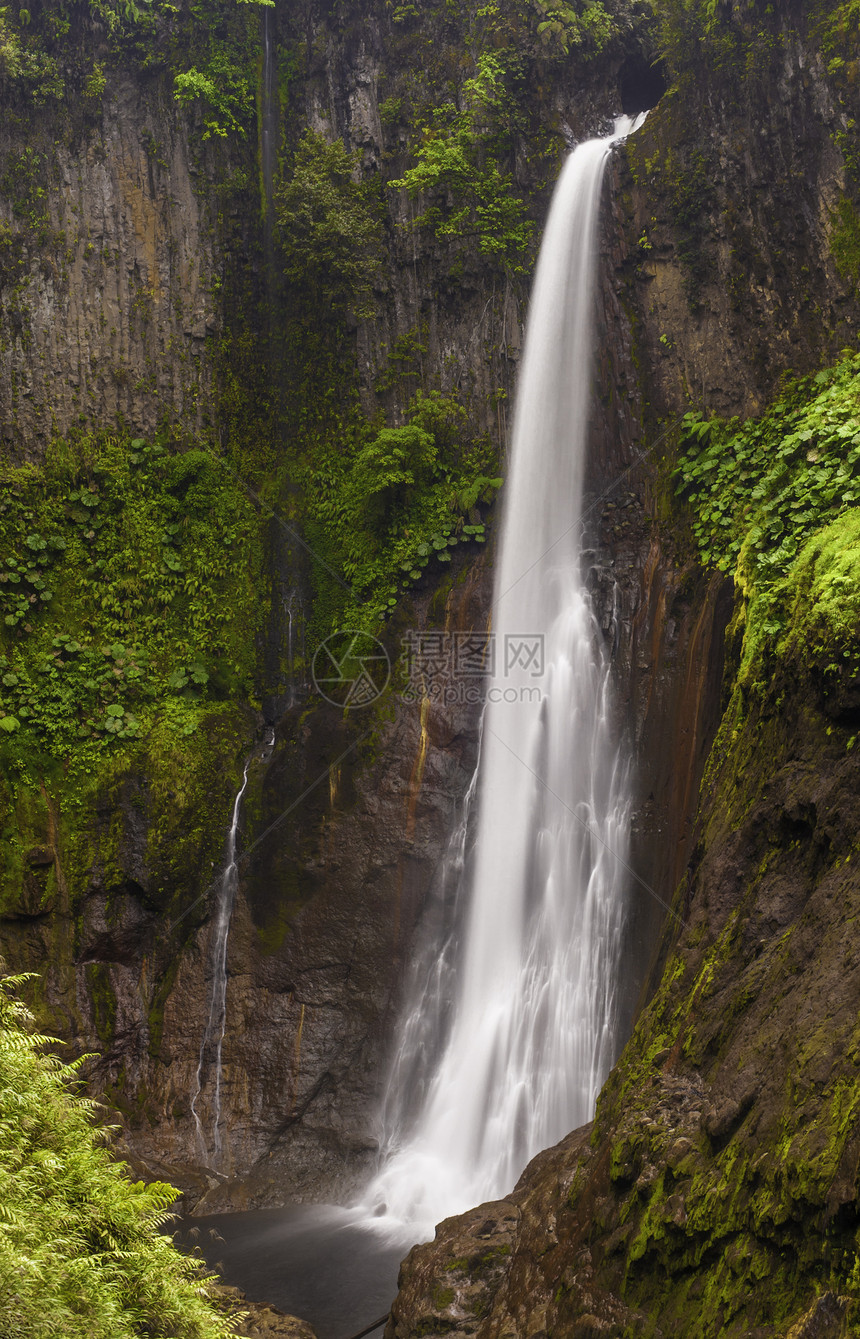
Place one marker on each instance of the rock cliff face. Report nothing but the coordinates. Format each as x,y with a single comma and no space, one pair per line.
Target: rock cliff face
108,271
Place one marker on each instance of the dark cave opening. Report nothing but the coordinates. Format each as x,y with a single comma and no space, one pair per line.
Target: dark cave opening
641,84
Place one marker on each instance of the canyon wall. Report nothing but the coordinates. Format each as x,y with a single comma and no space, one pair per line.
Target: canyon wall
145,294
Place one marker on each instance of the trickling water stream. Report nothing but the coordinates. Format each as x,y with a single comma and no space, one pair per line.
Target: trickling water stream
517,1058
268,127
216,1023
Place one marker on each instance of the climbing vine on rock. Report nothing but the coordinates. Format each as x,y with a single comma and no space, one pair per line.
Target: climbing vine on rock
764,485
127,596
774,501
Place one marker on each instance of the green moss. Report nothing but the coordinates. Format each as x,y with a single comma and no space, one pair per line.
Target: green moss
822,597
272,933
845,239
155,1017
103,1000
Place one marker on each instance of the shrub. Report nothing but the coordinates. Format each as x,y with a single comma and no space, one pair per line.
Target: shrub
81,1253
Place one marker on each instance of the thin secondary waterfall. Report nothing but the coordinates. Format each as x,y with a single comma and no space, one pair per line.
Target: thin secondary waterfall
216,1024
531,1032
268,122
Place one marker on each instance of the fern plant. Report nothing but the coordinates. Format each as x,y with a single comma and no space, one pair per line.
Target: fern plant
81,1251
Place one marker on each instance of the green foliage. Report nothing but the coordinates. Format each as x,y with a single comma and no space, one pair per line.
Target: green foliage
223,91
845,239
127,594
458,166
385,505
331,236
114,13
43,58
25,182
766,484
696,31
212,49
24,62
95,83
587,27
838,34
762,493
81,1254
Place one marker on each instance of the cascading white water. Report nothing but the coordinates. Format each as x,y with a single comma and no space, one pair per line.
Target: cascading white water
216,1023
426,1023
531,1032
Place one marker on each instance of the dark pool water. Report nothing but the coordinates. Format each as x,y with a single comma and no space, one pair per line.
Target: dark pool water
315,1262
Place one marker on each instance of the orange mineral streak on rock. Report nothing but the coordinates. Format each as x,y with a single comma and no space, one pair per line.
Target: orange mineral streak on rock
297,1059
417,776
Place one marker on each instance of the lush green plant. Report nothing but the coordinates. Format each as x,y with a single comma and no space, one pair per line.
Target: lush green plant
764,492
459,161
767,483
114,13
127,582
224,92
81,1253
564,26
41,60
695,30
385,504
25,63
330,229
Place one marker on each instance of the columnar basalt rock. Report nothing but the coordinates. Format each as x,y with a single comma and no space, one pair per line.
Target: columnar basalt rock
107,293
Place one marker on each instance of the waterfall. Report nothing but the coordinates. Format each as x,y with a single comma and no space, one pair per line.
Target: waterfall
432,980
525,1044
216,1024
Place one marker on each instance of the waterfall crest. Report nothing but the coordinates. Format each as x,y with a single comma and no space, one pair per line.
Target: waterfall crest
531,1031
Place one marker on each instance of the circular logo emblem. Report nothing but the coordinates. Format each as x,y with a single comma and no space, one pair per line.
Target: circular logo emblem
351,669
